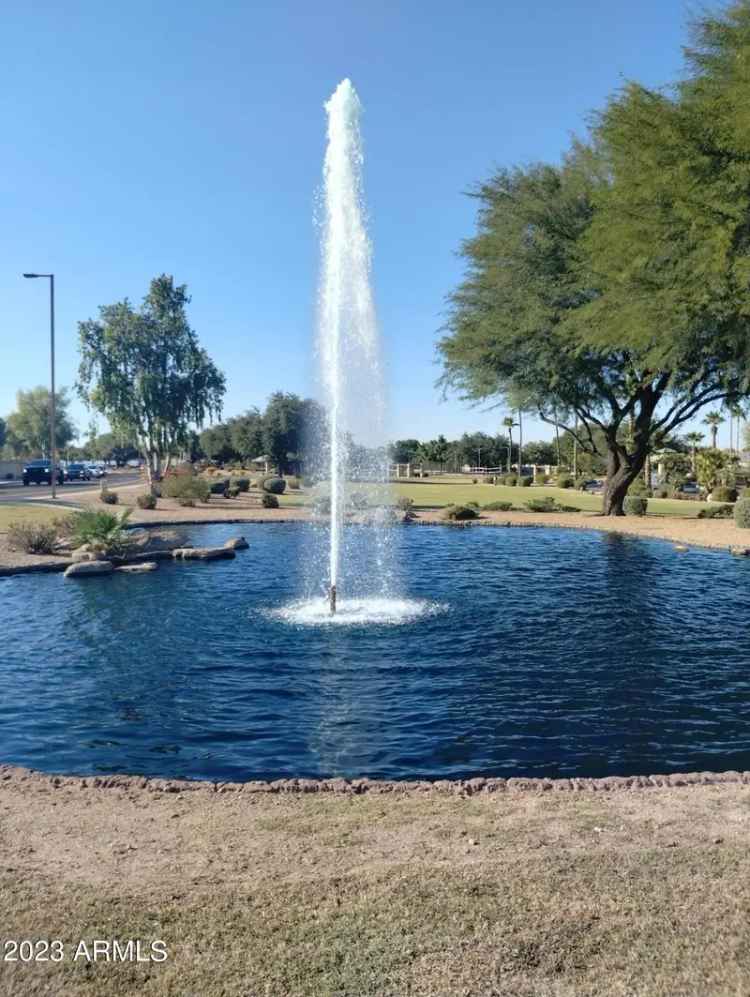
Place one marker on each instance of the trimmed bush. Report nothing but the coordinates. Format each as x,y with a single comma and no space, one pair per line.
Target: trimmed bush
108,497
661,492
187,501
146,501
638,487
510,479
580,482
358,500
565,481
405,504
459,512
232,491
742,513
322,505
269,501
723,493
33,538
546,504
525,481
474,481
717,512
293,484
635,505
498,506
218,487
241,484
274,485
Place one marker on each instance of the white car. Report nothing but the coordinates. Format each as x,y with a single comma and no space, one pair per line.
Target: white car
95,470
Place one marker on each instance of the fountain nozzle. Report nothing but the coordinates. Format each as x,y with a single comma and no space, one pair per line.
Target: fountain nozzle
332,598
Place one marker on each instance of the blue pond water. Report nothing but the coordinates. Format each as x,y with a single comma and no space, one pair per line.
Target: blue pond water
554,653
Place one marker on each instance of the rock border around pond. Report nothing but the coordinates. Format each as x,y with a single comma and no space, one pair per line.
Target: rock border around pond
357,787
86,565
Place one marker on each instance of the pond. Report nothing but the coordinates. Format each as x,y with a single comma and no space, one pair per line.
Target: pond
538,653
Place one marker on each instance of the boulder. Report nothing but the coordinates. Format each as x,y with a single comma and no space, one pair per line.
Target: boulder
83,554
740,551
237,543
89,568
139,566
202,553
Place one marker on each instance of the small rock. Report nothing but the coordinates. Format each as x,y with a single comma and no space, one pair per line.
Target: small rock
237,543
739,551
141,566
89,568
83,554
718,841
473,841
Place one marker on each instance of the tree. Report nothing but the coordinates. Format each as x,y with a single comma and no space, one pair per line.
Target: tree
711,468
604,289
146,372
216,443
246,434
28,428
2,433
509,424
540,452
713,420
294,429
694,439
404,451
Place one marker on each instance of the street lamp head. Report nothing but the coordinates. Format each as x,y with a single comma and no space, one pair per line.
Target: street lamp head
37,275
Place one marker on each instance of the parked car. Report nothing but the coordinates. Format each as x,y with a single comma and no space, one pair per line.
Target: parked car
593,486
95,471
77,472
690,488
40,472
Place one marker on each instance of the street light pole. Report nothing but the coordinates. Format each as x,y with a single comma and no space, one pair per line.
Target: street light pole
52,414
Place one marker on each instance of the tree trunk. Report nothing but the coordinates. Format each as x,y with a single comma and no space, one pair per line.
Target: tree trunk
622,470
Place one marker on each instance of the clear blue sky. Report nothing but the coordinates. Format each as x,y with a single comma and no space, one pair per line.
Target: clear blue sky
187,138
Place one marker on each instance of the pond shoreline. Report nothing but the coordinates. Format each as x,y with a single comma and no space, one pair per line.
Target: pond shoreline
720,535
22,777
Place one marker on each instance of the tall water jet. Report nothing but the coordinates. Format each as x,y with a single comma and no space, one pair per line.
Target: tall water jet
348,336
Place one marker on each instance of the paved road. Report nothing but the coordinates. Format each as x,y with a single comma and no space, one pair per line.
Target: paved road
14,492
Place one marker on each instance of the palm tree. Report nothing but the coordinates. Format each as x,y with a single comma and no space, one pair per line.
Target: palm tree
713,420
509,424
694,439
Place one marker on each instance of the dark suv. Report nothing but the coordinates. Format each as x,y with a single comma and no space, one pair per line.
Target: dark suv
77,472
40,473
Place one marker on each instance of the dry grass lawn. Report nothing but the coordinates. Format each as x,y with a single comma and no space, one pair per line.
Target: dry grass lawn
642,892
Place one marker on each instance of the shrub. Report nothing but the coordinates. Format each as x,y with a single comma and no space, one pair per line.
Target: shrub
293,484
661,492
33,538
146,501
269,501
635,505
723,493
580,482
218,487
498,506
510,479
459,512
405,504
182,486
565,481
322,505
108,497
274,485
358,500
717,512
474,481
241,484
638,487
186,501
308,481
105,531
742,513
525,481
232,491
546,504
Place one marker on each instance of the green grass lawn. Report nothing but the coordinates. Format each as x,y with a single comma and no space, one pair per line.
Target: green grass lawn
432,494
28,513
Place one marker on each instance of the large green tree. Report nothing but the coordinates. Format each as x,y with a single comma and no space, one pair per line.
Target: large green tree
613,290
146,372
293,429
28,427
